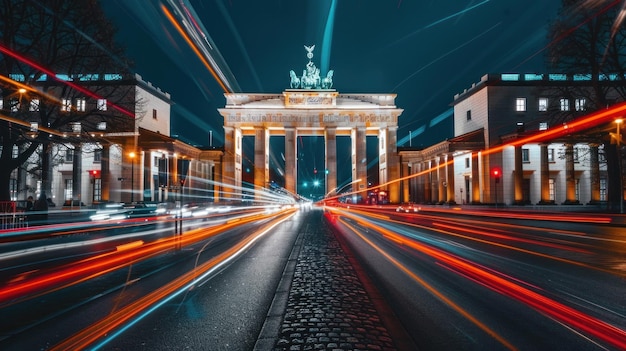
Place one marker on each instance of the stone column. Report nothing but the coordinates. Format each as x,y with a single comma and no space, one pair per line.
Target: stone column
147,179
231,167
475,178
441,179
519,177
450,179
105,172
330,136
545,175
173,173
77,174
291,169
359,161
405,182
217,181
570,176
427,182
413,182
393,164
434,184
595,173
261,159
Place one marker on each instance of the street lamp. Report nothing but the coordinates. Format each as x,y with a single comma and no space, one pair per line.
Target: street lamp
132,175
618,123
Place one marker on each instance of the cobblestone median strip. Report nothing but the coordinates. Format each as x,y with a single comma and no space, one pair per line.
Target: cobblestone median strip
327,307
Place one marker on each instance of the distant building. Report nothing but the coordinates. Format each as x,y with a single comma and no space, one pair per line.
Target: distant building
494,111
121,152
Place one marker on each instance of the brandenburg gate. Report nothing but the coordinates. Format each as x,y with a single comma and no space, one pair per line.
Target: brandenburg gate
310,108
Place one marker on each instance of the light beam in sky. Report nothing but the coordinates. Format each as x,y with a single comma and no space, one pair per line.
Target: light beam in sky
190,29
240,43
456,14
328,38
444,55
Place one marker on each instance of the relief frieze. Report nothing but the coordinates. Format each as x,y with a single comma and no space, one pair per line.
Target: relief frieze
310,118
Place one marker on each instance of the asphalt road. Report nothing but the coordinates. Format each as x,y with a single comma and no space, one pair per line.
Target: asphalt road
479,283
223,310
453,281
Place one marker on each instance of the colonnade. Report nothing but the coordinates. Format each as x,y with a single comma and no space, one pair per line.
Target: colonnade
388,159
433,175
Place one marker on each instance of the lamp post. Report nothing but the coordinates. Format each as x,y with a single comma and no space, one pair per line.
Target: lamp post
618,123
132,175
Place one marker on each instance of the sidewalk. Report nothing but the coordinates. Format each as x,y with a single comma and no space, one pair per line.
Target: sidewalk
321,304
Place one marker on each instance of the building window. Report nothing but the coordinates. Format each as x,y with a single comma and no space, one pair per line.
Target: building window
76,127
68,189
525,155
154,113
580,104
520,104
564,105
543,125
602,189
467,162
69,155
15,105
80,105
97,190
13,189
66,105
551,187
97,155
601,156
101,105
34,105
550,155
543,104
469,115
577,189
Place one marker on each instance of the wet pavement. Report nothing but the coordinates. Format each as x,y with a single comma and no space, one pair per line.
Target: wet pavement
321,302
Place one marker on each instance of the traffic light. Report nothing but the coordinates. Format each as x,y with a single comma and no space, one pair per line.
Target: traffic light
95,173
496,173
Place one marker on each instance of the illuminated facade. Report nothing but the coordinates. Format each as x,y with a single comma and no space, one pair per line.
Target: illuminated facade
298,112
311,108
493,112
104,160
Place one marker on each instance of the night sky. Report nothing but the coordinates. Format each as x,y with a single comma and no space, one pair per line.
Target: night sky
425,51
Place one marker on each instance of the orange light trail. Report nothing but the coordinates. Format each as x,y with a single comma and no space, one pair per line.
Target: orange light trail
484,241
432,289
591,120
115,320
91,267
52,75
193,46
565,314
28,88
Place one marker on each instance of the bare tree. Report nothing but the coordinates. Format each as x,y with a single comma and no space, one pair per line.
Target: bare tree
58,62
588,44
589,39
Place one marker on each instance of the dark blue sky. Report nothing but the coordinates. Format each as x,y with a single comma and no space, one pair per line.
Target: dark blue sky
425,51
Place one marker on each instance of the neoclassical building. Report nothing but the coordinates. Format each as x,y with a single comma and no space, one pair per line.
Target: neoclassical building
100,159
494,112
311,107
